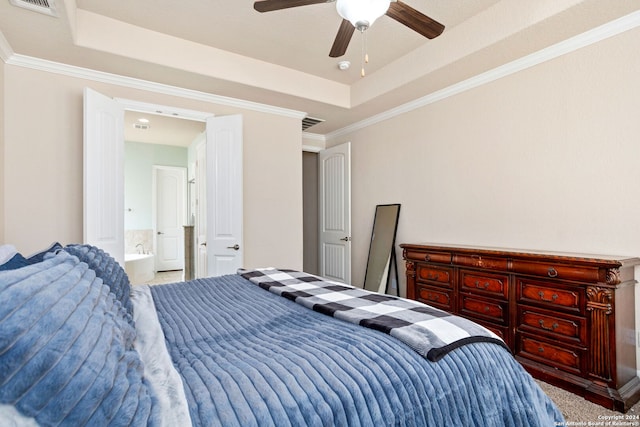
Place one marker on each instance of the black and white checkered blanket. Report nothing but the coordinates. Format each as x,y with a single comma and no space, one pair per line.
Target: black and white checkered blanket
429,331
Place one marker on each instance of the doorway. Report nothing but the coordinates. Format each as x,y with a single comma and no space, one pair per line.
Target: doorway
310,232
156,160
327,212
104,211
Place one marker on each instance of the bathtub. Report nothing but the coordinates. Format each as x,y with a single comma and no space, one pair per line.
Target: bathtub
139,267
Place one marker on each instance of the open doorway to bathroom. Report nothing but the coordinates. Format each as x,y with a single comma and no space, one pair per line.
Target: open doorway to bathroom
158,143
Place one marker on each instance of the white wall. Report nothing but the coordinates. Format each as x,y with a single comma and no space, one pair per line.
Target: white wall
43,166
544,159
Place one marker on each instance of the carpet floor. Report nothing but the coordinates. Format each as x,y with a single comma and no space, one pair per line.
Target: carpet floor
579,411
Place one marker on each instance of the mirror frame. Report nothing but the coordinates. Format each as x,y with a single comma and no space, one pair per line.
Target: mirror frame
381,275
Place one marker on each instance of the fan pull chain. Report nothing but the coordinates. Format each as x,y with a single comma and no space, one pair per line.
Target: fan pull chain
365,55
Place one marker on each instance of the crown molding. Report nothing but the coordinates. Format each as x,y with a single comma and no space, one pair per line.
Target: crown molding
5,49
311,148
130,82
587,38
572,44
314,136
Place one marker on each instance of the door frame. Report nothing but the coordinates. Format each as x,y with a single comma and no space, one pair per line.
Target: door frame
132,105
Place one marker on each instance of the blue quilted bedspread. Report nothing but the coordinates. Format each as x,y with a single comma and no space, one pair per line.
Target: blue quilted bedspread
248,357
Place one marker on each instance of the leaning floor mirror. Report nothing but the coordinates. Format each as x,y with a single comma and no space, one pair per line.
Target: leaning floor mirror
382,272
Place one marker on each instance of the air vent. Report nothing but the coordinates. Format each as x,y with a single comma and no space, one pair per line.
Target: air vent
48,7
307,122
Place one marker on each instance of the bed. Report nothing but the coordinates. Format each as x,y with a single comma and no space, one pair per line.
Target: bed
80,346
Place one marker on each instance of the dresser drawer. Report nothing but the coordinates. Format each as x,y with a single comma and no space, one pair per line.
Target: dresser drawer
428,256
481,261
494,285
558,271
441,276
565,358
491,310
552,296
435,297
536,321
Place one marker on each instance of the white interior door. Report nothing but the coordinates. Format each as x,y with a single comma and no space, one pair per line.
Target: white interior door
224,195
169,191
335,212
103,194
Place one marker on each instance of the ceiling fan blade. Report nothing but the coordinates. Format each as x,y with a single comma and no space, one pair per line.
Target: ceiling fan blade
415,20
271,5
340,44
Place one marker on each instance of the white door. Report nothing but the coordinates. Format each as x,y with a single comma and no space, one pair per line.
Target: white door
103,195
224,195
201,210
335,212
169,188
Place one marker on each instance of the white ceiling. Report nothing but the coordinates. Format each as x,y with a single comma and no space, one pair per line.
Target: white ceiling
161,129
281,58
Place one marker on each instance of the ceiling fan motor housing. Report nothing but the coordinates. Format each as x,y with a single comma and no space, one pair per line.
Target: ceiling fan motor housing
362,13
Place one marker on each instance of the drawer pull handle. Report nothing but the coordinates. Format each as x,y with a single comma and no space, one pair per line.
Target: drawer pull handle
552,328
552,272
427,258
483,286
432,297
554,297
432,276
540,349
486,308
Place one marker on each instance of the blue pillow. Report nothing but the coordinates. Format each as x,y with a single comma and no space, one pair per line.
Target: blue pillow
39,256
17,261
62,350
108,269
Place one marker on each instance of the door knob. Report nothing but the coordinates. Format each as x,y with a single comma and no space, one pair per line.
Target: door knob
160,232
346,239
234,247
203,244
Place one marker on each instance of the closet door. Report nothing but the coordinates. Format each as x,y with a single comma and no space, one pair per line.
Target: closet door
335,213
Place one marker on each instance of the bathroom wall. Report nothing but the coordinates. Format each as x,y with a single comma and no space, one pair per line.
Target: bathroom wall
138,177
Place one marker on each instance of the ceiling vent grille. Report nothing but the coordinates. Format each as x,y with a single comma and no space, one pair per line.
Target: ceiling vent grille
48,7
307,122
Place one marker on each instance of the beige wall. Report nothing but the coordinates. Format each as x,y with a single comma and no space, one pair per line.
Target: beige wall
2,154
43,166
547,158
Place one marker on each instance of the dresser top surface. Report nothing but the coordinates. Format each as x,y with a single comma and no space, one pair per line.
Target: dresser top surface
523,253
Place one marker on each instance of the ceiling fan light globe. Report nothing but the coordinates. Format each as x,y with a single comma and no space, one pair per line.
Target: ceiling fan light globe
360,12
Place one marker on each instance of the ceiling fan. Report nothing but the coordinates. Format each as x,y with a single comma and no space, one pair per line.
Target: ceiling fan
360,15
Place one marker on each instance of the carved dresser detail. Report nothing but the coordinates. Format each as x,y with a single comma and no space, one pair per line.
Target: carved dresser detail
568,319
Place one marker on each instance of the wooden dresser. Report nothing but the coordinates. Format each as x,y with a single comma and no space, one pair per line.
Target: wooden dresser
569,319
